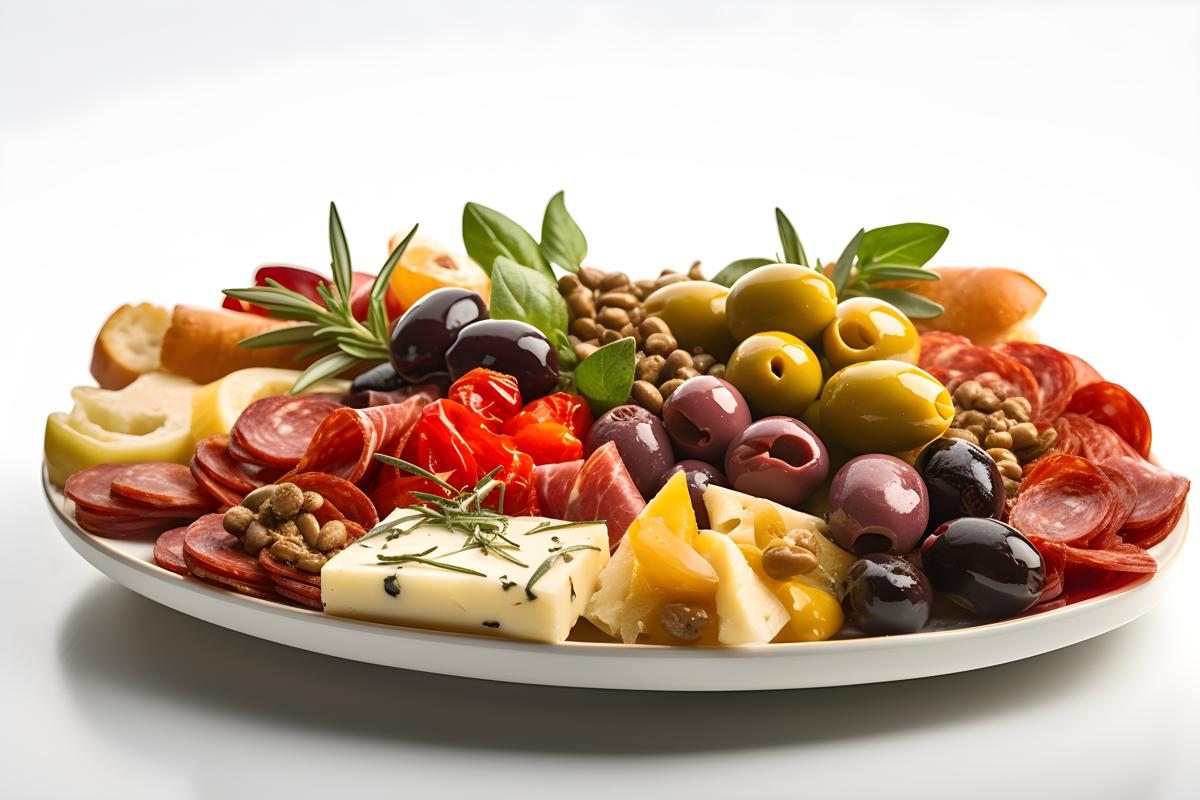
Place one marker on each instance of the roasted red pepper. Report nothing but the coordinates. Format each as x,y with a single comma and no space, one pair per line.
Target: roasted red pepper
570,410
305,282
494,396
548,443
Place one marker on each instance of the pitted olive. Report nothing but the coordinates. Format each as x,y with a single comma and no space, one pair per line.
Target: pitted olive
884,407
781,297
778,373
868,329
695,312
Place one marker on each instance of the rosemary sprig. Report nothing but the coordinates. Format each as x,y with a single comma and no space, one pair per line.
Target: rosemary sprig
330,328
545,566
419,558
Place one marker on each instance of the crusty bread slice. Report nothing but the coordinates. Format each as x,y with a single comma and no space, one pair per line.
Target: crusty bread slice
129,344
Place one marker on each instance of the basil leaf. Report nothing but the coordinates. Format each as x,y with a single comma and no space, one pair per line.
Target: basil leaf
605,377
527,296
793,251
913,305
489,234
910,244
891,272
845,262
566,353
735,270
563,243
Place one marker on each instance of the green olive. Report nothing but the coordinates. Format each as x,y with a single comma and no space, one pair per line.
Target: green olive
695,312
781,297
884,407
777,373
868,329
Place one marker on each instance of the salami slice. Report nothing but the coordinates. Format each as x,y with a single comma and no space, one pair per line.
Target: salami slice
958,364
1160,494
1064,499
346,441
934,344
225,581
1055,564
168,550
220,492
1119,558
208,548
162,485
299,587
1053,371
118,528
212,455
1126,502
275,431
1084,436
91,490
279,569
1085,373
303,599
1113,405
346,499
1147,536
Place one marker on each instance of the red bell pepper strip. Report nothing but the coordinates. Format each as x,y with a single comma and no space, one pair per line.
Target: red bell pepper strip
494,396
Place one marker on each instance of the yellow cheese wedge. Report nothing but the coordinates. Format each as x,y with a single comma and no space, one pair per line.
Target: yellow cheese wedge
748,612
218,404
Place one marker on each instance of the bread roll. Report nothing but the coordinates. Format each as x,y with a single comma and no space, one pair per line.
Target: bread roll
986,304
129,345
202,344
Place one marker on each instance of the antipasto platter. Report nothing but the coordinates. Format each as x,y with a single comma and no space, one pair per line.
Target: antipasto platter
512,466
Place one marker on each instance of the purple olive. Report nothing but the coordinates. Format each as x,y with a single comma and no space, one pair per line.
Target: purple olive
699,477
508,346
877,504
429,327
703,415
778,458
641,440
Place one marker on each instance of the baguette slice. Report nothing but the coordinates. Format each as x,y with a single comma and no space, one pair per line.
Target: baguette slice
202,344
988,305
129,345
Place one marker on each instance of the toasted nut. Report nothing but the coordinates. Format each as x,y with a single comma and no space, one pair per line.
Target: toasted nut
636,315
644,286
286,500
617,299
266,516
970,417
683,621
716,370
686,373
1010,469
287,550
255,499
237,519
585,328
1000,439
1047,438
257,537
649,368
1024,434
703,362
668,271
695,273
653,325
668,387
590,277
967,392
585,349
676,361
310,562
647,396
332,535
1011,487
568,283
312,501
987,401
999,454
977,431
1017,408
783,561
581,303
961,433
659,344
668,279
613,318
308,527
608,336
613,280
288,530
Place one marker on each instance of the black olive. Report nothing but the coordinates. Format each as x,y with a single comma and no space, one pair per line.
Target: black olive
429,327
886,594
508,346
963,481
985,566
700,476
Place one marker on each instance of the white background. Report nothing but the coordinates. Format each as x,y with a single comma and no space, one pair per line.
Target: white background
159,152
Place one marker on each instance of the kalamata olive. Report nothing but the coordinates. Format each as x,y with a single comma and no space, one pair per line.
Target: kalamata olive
379,378
508,346
703,415
962,479
381,384
641,440
877,503
427,329
985,566
778,458
886,595
700,476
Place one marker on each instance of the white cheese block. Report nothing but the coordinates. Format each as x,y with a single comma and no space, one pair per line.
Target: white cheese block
747,611
355,583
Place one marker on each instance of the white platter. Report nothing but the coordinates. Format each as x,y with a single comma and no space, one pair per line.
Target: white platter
605,665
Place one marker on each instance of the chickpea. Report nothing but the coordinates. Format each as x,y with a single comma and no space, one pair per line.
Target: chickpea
255,499
312,501
331,536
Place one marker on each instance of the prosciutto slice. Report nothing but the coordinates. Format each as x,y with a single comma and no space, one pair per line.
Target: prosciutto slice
553,484
603,489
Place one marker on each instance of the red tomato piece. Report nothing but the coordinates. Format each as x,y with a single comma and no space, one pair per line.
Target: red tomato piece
570,410
548,443
494,396
1114,406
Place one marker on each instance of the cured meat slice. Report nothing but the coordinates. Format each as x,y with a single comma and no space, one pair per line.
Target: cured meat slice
1064,499
1118,558
1126,501
220,492
1053,371
162,485
262,592
275,431
119,528
1113,405
209,548
1083,436
957,364
935,344
603,489
1085,373
212,455
303,598
168,550
279,569
1055,564
299,587
553,485
347,500
345,443
91,490
1147,536
1160,494
372,397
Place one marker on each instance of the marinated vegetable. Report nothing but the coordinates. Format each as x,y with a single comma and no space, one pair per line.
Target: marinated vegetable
869,329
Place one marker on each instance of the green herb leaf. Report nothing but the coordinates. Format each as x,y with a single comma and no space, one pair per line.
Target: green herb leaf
377,317
563,243
793,251
322,369
343,277
522,294
291,335
488,234
545,566
845,262
913,305
890,272
736,269
909,244
605,377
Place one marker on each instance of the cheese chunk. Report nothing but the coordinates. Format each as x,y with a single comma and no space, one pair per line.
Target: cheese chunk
356,583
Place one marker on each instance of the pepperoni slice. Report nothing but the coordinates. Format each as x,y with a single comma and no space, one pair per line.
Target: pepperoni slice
348,500
1118,558
91,490
168,550
121,528
347,440
1085,373
299,587
935,344
301,598
1053,371
1147,536
208,547
212,455
1064,499
275,431
227,582
279,569
1093,440
1113,405
222,493
1126,501
1160,494
960,363
162,485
